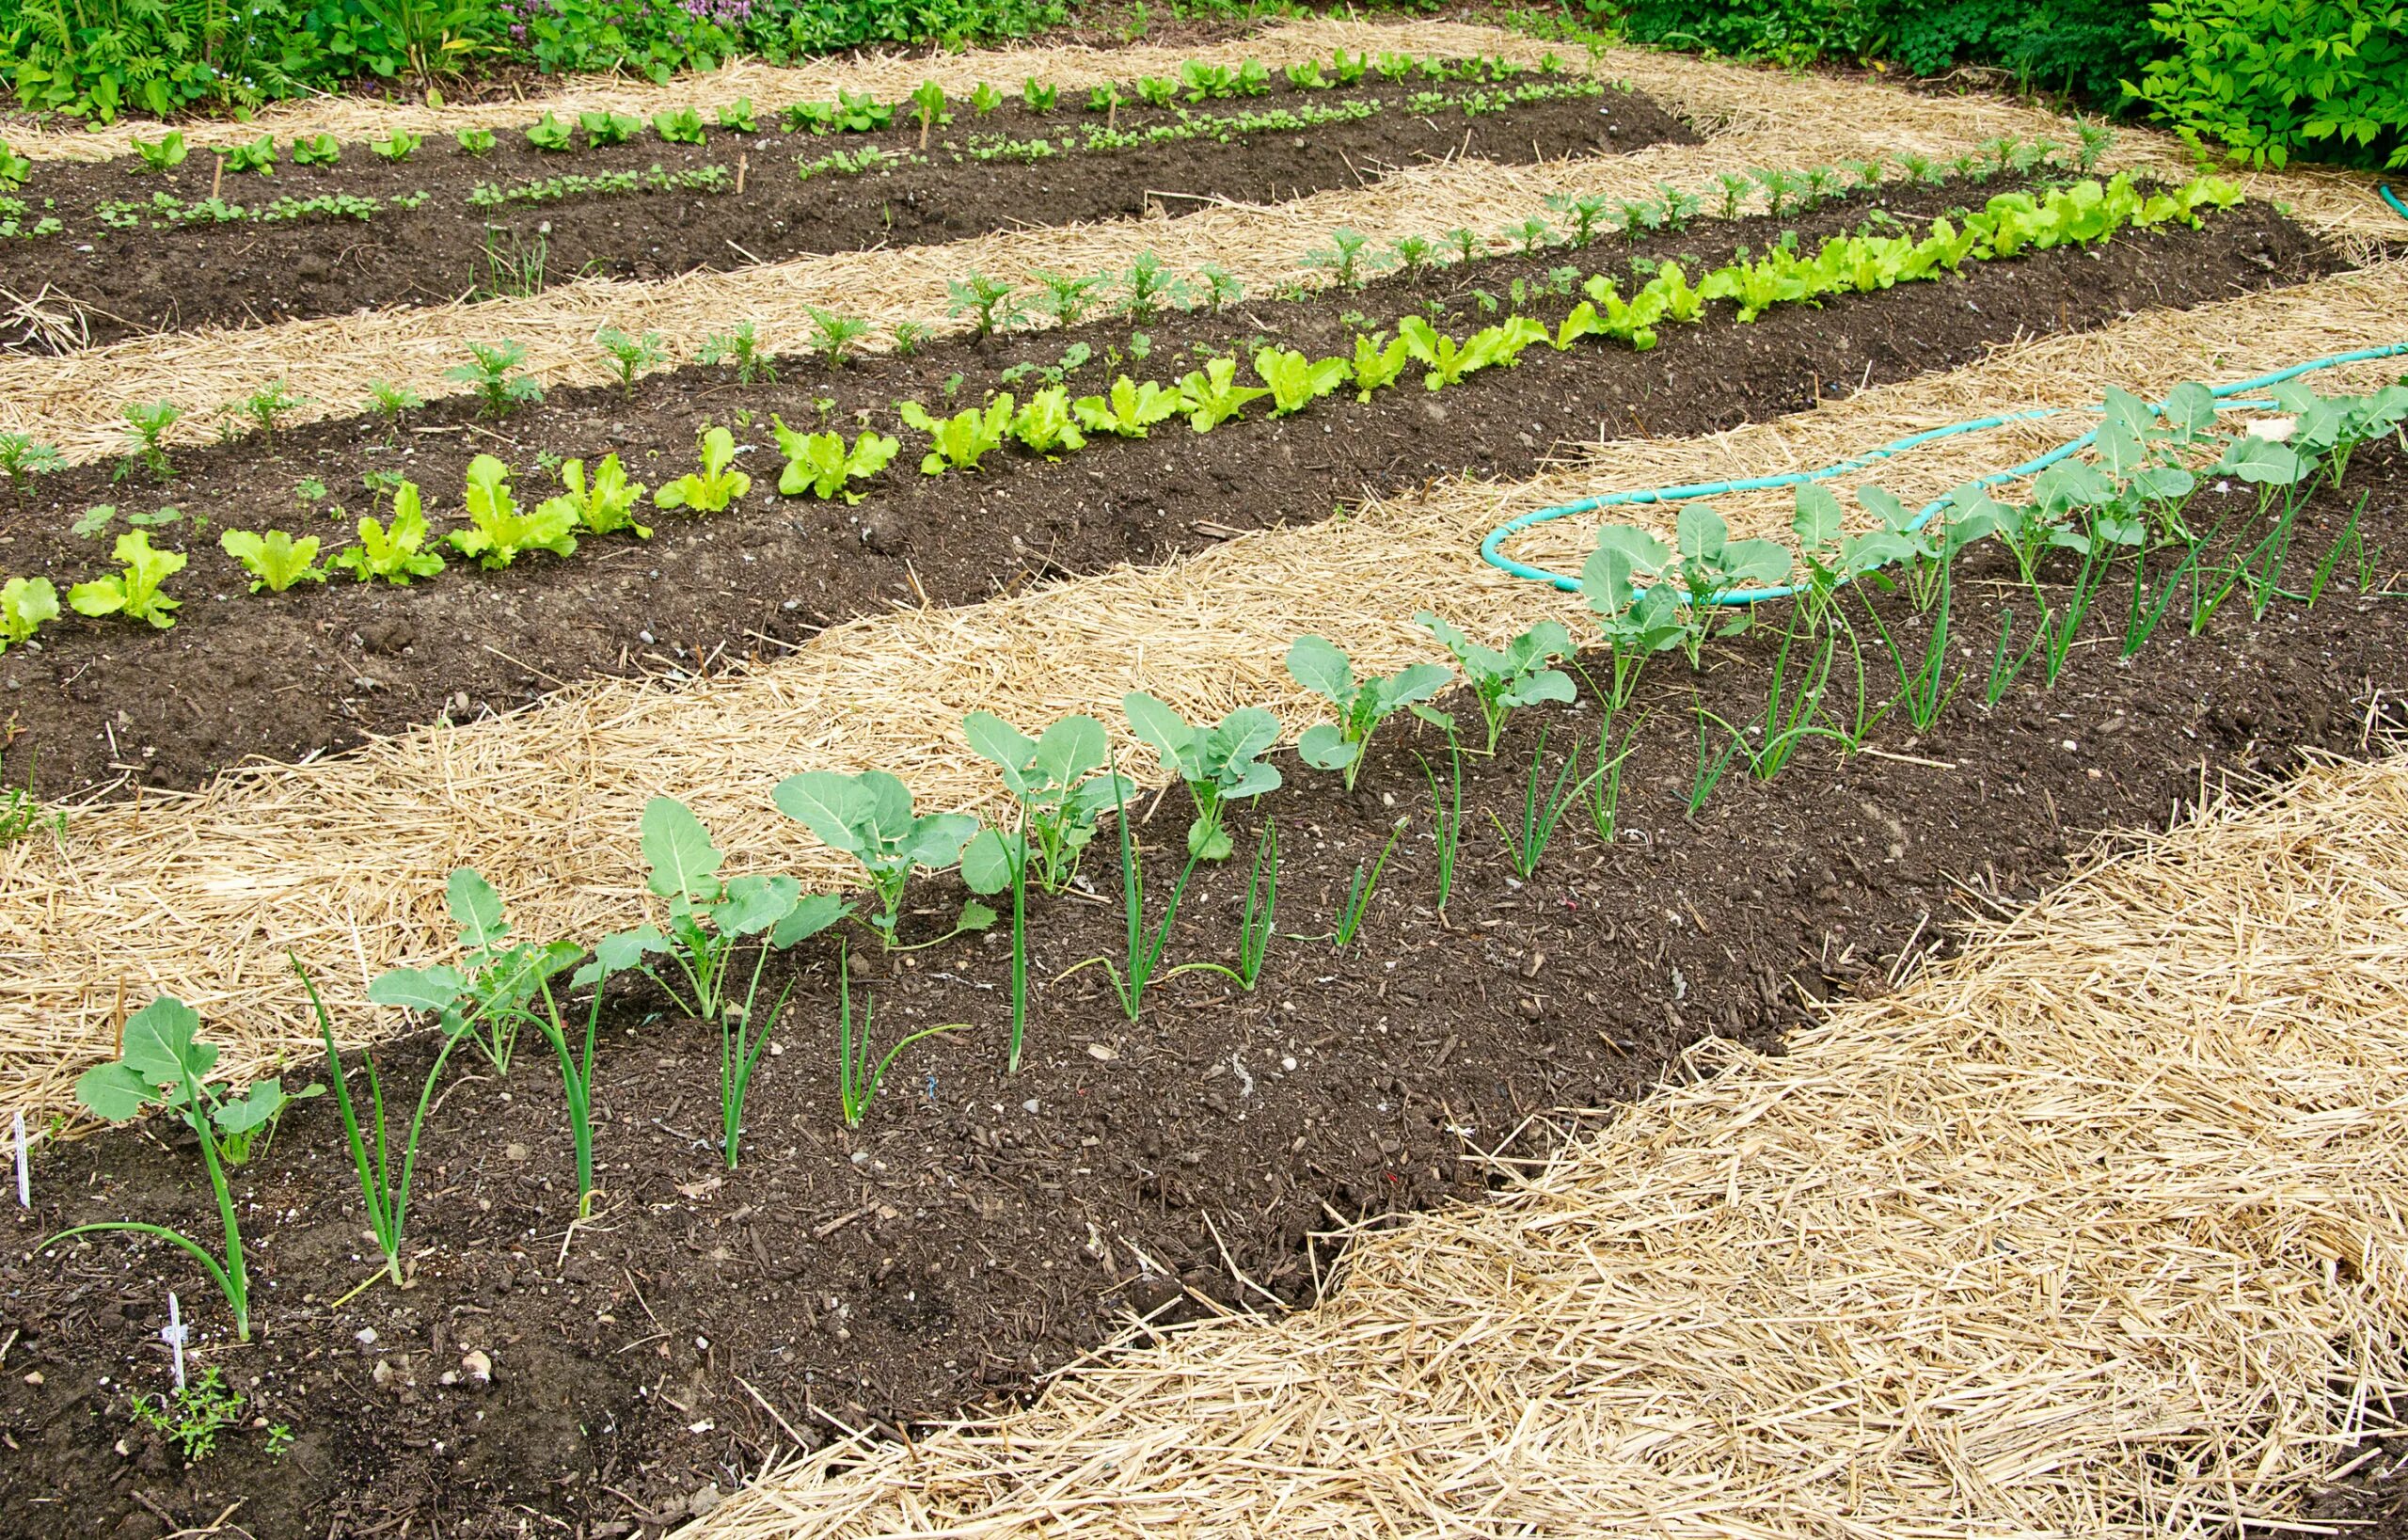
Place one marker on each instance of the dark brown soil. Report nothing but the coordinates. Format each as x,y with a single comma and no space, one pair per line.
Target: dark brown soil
131,281
106,704
980,1228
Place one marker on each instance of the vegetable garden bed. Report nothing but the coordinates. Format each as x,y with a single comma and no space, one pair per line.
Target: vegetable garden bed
600,1228
979,1227
105,702
129,248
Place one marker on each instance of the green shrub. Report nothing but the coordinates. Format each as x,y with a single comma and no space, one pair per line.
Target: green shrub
2268,81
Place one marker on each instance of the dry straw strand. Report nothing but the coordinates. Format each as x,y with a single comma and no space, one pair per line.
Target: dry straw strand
344,860
2094,1231
73,400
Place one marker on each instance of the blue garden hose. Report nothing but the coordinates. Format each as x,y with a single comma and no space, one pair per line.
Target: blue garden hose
1491,547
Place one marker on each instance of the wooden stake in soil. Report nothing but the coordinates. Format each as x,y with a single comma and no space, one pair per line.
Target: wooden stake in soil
744,163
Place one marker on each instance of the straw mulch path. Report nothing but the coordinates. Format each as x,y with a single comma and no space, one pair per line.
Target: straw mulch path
345,860
2096,1230
73,401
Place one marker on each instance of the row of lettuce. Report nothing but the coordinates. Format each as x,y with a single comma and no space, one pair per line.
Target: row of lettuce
1051,422
2168,497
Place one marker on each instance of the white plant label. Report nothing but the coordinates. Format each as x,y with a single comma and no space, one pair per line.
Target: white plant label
174,1333
24,1168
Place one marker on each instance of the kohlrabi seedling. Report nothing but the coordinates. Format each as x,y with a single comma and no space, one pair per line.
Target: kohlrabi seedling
1317,664
1505,681
869,817
1220,764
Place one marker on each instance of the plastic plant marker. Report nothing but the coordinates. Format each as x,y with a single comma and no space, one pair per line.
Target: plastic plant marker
24,1168
175,1333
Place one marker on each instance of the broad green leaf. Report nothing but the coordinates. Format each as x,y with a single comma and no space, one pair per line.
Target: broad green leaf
476,909
433,988
754,903
1317,664
837,809
1324,747
114,1091
809,915
683,859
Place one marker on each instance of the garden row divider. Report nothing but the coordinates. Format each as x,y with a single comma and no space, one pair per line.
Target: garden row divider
344,861
72,401
2044,1243
887,76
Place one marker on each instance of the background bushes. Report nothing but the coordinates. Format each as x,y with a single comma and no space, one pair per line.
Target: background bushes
2263,81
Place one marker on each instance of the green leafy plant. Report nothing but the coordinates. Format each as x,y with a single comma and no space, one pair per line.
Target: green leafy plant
1505,681
992,306
475,141
1704,563
135,592
161,1060
869,817
192,1416
834,335
605,504
1211,396
258,156
1045,424
275,560
2268,81
961,441
1129,409
266,406
22,457
163,153
26,605
820,464
709,917
397,145
712,488
1296,382
1320,666
1067,297
1342,257
740,348
1146,286
631,355
489,995
550,134
1219,764
682,125
389,401
737,117
316,149
494,377
1038,96
1061,783
858,1078
984,98
146,424
604,129
396,552
498,532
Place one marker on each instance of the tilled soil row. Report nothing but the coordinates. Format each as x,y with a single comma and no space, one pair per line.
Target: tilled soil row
122,280
979,1228
109,704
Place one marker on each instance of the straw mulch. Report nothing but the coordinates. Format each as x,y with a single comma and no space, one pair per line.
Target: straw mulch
2096,1230
345,860
73,401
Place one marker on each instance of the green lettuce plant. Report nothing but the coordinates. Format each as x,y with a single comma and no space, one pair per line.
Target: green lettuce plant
605,504
1211,396
135,592
274,560
715,485
961,441
396,551
1296,382
26,605
1129,409
820,464
498,531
